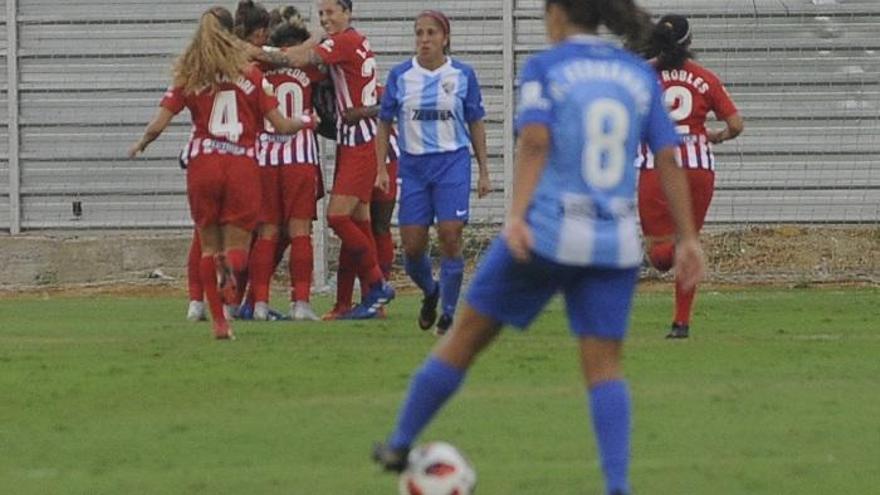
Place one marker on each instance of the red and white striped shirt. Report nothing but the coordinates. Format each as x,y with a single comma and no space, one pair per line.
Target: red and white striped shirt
691,93
353,69
293,89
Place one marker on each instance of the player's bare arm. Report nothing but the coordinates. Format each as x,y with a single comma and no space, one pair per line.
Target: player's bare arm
735,126
152,132
478,141
532,148
382,134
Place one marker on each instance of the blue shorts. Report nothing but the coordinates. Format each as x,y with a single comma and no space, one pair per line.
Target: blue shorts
597,300
434,186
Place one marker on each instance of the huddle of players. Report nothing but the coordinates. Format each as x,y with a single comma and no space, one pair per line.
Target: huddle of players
289,193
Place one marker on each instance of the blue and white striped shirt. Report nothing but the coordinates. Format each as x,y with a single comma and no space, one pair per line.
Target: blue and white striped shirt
433,108
599,102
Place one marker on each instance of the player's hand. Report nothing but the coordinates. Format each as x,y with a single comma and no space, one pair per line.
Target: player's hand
715,137
519,239
484,185
309,120
383,181
136,148
689,263
352,115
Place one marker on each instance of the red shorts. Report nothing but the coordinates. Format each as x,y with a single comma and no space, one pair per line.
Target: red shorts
391,195
654,210
355,171
299,191
270,201
223,190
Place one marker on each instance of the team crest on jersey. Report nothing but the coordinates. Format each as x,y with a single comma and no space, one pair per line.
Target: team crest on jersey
448,86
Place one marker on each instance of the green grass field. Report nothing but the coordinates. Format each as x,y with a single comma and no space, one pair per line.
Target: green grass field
778,392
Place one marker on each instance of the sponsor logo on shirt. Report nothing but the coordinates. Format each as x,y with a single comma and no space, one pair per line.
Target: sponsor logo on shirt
421,114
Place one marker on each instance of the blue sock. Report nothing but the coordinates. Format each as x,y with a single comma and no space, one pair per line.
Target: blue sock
451,275
610,410
430,388
419,270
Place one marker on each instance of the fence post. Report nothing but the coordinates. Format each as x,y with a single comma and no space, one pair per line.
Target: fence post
509,56
13,104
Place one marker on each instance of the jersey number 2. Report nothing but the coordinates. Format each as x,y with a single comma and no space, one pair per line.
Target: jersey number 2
680,103
224,117
606,123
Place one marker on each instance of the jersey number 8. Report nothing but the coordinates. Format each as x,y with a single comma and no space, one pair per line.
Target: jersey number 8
606,124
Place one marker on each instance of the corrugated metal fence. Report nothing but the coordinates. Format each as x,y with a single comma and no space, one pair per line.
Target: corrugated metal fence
82,78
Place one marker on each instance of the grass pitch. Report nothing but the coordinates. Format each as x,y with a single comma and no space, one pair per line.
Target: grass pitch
777,392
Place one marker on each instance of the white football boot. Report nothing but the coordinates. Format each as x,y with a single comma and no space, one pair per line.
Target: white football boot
196,311
302,311
261,311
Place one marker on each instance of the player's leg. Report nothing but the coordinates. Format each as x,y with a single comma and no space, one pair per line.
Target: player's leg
196,309
451,200
702,187
260,268
504,291
239,215
417,264
598,304
204,187
657,224
449,234
381,213
261,263
300,195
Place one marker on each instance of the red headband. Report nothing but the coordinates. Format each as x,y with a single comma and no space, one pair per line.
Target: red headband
438,16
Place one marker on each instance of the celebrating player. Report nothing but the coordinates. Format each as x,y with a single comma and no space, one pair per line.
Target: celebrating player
352,66
437,103
584,107
691,92
226,100
297,164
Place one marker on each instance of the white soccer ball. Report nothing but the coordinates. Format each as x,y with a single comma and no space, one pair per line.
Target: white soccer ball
437,469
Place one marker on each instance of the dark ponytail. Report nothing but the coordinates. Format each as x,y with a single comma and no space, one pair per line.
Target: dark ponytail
291,29
671,42
623,17
249,17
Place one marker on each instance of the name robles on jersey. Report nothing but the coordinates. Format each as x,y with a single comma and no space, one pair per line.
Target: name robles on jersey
690,94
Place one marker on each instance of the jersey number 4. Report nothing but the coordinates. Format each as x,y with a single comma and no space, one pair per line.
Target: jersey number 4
224,117
606,123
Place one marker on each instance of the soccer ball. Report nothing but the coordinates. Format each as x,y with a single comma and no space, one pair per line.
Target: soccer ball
437,469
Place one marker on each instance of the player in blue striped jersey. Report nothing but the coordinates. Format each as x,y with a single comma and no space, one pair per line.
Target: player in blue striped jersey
584,106
437,103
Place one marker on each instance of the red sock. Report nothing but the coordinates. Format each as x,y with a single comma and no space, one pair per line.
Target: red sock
368,268
385,252
208,273
301,266
683,303
662,256
237,260
193,270
345,278
260,268
359,242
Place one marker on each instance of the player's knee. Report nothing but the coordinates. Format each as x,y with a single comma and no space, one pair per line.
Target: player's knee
662,256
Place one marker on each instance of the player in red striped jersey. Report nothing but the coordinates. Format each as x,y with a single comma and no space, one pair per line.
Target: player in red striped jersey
227,102
691,92
296,161
381,212
347,54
